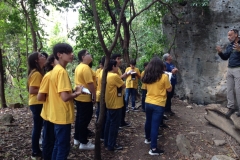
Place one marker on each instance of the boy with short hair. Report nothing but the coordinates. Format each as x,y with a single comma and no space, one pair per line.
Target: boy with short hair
61,101
133,74
84,102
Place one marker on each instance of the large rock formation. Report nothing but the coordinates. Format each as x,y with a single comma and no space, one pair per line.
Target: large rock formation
202,74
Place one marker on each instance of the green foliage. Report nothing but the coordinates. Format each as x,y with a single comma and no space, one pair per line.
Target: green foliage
17,92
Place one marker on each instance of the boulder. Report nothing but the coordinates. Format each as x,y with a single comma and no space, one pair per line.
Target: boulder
6,119
202,73
221,157
216,115
184,145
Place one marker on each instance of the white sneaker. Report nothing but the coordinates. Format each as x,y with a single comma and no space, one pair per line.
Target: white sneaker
88,146
147,141
76,142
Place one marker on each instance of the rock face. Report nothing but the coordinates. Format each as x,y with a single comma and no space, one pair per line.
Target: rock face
202,73
184,145
221,157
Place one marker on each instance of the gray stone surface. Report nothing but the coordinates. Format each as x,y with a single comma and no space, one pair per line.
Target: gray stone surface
202,74
6,119
197,156
184,145
219,142
221,157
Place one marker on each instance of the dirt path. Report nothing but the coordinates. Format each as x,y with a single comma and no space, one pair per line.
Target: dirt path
16,143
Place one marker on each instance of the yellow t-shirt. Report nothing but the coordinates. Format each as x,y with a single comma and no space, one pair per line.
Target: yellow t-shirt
60,112
130,83
83,76
111,97
156,92
98,71
143,84
94,79
44,88
98,92
119,72
34,81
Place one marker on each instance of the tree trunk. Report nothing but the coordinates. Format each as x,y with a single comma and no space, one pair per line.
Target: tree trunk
2,94
30,23
97,155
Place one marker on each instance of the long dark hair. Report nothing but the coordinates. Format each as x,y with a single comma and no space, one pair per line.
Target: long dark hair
154,71
49,63
33,65
111,63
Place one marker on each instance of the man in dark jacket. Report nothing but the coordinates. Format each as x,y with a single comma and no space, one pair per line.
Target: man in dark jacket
232,54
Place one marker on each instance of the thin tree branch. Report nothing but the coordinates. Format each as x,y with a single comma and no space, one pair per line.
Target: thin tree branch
135,39
41,45
169,7
96,19
118,26
144,9
114,21
133,8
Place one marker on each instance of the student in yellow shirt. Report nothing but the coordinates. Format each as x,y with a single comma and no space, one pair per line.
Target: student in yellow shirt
133,74
114,104
84,102
100,68
118,57
144,89
158,85
60,98
48,127
36,63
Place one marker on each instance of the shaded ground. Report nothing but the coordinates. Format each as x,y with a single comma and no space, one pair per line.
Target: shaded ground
15,142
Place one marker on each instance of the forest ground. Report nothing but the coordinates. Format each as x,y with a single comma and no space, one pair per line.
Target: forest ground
15,142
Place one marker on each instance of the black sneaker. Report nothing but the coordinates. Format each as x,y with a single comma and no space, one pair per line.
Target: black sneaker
135,110
36,156
125,124
156,152
118,147
171,113
165,118
230,112
91,133
238,114
164,125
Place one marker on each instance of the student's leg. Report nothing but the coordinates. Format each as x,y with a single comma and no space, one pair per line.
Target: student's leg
77,120
127,94
133,96
104,122
106,130
157,115
97,111
123,115
148,123
85,115
37,127
48,140
115,115
62,142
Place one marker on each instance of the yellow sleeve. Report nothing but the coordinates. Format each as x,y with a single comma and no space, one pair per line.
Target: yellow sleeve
88,78
63,82
44,86
35,79
118,81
